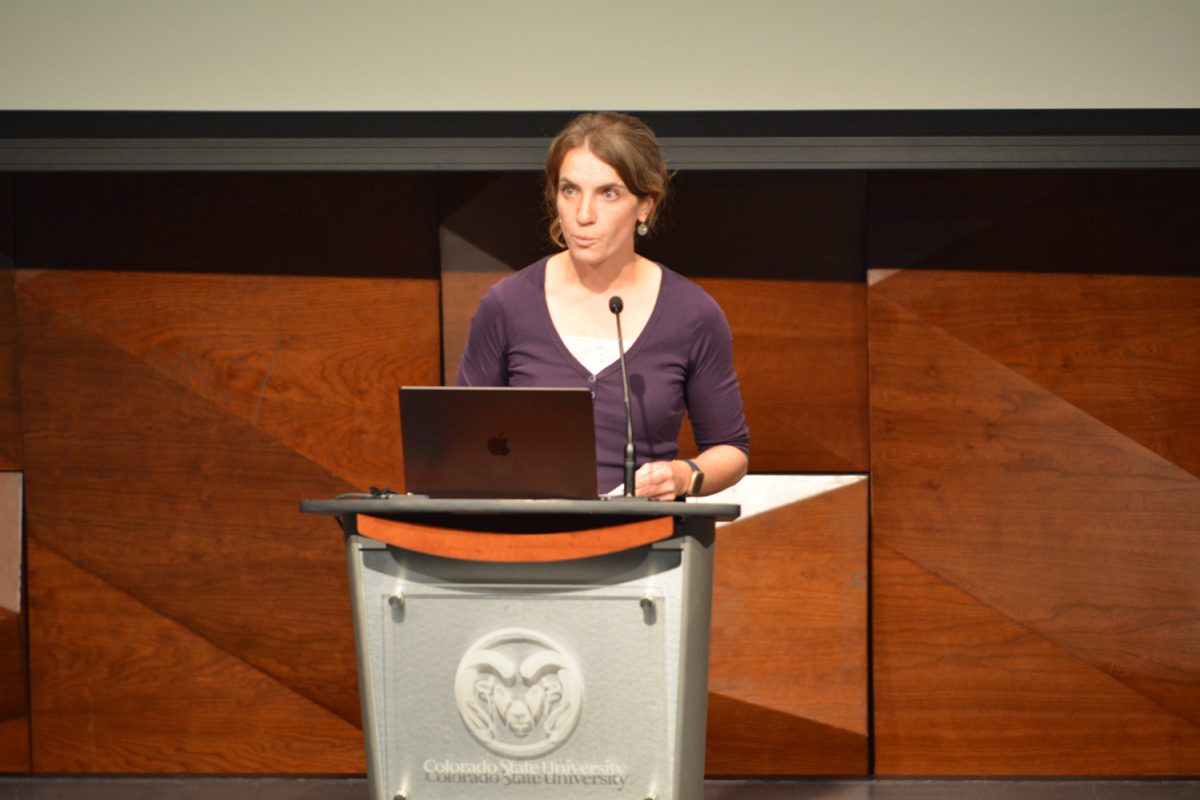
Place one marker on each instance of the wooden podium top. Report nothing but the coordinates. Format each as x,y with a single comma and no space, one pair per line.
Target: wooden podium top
515,530
404,505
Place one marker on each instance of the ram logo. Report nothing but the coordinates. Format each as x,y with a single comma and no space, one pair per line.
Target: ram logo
519,693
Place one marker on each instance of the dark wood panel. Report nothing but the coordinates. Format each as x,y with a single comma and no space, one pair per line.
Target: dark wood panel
365,224
10,412
123,689
10,398
1051,521
788,676
1135,222
14,694
801,354
7,239
763,224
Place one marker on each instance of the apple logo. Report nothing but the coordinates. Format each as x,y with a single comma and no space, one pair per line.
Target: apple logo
498,445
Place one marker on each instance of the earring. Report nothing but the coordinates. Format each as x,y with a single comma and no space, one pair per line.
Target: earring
643,229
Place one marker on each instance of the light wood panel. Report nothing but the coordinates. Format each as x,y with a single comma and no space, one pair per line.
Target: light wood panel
1125,349
788,676
314,363
963,689
183,493
800,350
184,400
120,688
1053,532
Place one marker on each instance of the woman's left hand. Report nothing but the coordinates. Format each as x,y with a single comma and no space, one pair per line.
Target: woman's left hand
658,480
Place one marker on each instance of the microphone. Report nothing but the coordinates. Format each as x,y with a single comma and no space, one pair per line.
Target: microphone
616,306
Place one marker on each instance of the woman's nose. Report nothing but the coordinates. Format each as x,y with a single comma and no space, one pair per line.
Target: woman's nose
585,212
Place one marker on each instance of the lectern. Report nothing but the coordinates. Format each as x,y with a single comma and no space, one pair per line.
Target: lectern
531,648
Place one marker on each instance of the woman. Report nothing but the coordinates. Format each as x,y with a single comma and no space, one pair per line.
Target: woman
550,324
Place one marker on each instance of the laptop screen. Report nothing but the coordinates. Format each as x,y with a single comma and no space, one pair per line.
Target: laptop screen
498,442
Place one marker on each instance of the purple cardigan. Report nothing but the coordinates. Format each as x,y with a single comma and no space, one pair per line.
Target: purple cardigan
683,359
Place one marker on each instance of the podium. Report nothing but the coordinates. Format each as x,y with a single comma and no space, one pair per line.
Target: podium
531,648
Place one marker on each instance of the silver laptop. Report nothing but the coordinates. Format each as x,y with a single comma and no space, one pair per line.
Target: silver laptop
498,442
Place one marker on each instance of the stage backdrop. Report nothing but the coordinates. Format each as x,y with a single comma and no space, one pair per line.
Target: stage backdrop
1011,356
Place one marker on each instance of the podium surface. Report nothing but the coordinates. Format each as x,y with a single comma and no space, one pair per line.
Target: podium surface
531,648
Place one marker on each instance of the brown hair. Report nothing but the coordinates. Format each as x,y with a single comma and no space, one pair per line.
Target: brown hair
623,142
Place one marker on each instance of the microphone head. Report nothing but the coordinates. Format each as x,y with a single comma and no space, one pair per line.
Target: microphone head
615,304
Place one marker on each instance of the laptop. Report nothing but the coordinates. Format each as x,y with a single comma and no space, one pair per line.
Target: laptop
498,442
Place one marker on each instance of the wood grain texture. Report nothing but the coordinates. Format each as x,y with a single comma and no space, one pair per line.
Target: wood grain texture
962,689
800,350
1123,348
14,679
185,508
788,672
314,363
511,548
1055,524
120,688
185,416
14,694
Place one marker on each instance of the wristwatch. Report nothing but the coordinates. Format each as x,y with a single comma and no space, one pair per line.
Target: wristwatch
697,479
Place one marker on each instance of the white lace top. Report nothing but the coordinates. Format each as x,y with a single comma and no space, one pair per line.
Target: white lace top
593,352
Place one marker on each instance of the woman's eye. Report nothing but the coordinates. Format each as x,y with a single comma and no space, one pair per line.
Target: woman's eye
611,194
568,191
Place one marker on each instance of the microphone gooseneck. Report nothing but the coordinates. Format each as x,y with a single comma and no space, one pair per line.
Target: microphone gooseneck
616,306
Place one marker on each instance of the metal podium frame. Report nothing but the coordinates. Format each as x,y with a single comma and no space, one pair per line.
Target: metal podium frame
630,575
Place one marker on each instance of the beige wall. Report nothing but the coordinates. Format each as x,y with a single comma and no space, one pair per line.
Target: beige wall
542,55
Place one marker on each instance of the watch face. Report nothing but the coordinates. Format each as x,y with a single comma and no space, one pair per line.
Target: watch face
696,483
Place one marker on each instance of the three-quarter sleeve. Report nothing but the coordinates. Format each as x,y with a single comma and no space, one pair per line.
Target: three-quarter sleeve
714,398
485,358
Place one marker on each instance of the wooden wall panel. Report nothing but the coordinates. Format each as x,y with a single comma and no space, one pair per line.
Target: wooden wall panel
1117,222
801,353
121,688
1035,559
788,674
184,493
14,683
186,412
7,240
14,680
10,401
337,224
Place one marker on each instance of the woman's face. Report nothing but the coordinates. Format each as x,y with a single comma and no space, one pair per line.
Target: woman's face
597,211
